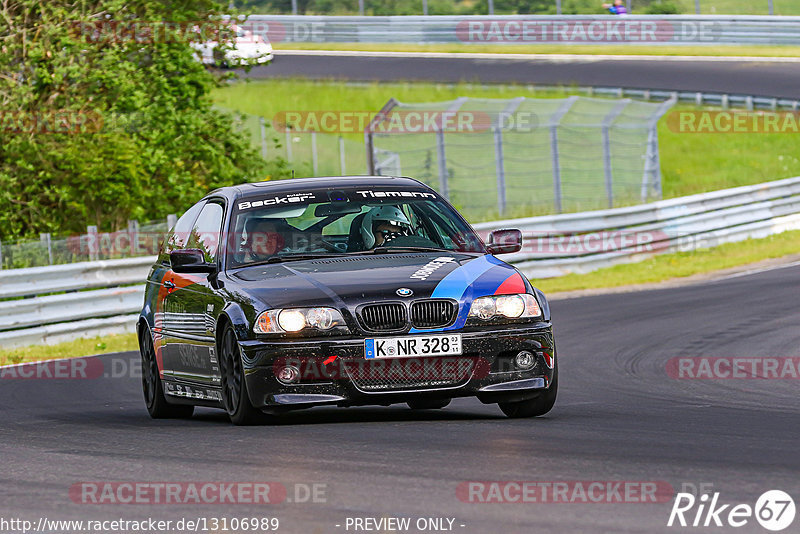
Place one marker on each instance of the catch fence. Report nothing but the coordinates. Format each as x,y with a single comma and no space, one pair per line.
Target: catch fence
508,158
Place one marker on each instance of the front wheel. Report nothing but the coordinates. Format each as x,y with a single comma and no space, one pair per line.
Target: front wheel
152,386
533,407
234,387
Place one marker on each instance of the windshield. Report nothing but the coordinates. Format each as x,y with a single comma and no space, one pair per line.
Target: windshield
344,223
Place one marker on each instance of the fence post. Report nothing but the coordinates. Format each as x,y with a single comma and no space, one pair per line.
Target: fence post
314,152
771,7
491,7
442,163
558,7
555,119
342,158
45,238
263,124
606,135
93,242
500,169
499,159
172,219
697,7
424,7
288,145
294,7
361,7
556,168
369,140
444,188
1,254
133,235
652,163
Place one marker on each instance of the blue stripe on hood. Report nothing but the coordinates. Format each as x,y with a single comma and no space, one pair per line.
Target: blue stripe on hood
476,278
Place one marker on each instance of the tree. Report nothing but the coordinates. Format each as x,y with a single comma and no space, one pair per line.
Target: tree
106,115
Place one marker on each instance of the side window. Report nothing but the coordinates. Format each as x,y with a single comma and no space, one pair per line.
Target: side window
205,233
178,236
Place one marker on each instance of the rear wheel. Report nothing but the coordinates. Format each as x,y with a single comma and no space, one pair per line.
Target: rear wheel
152,386
428,404
533,407
234,387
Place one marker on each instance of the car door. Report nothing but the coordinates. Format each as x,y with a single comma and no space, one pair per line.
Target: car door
192,304
166,322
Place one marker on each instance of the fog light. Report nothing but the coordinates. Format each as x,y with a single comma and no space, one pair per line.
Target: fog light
288,375
525,360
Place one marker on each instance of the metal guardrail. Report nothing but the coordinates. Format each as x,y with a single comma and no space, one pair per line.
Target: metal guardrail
553,245
92,299
530,29
51,309
581,242
723,100
73,276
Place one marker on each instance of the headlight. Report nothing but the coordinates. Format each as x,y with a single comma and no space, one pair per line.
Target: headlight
292,320
296,319
521,306
510,305
321,318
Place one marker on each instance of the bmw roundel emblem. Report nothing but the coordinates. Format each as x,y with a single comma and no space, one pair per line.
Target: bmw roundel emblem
404,292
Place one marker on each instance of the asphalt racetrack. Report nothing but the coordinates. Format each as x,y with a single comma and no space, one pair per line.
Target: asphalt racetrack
619,417
778,79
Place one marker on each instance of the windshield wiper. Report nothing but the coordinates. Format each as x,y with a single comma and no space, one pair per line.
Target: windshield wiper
389,250
292,257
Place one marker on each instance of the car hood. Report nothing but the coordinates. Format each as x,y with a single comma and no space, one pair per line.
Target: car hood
348,281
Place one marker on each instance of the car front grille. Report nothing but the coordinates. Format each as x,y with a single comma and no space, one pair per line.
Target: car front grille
433,313
405,374
384,317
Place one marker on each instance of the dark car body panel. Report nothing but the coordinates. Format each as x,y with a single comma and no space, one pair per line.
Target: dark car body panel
184,314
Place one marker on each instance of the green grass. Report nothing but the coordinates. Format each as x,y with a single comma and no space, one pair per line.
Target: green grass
632,49
690,163
70,349
678,265
743,7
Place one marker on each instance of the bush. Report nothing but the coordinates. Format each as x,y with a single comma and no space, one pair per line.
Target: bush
98,128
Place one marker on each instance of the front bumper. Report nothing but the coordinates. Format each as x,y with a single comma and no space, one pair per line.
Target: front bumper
485,370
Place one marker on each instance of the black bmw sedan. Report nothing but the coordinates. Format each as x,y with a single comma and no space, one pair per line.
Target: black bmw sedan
274,296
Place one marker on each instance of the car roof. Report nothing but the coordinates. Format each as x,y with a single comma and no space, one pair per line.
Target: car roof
319,183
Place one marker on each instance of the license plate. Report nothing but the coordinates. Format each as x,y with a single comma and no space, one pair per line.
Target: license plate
413,346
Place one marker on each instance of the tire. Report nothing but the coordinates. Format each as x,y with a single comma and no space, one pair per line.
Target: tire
235,398
533,407
153,387
428,404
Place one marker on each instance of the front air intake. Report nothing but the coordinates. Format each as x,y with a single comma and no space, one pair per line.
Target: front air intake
384,317
435,313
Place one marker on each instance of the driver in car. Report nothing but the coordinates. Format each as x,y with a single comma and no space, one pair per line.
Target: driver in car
383,224
265,238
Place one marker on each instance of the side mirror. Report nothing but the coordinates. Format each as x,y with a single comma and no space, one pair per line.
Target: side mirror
504,241
190,260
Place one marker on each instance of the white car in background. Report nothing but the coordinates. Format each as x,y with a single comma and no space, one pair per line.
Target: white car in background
248,48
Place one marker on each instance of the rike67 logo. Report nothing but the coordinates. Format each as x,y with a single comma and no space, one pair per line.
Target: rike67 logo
774,510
